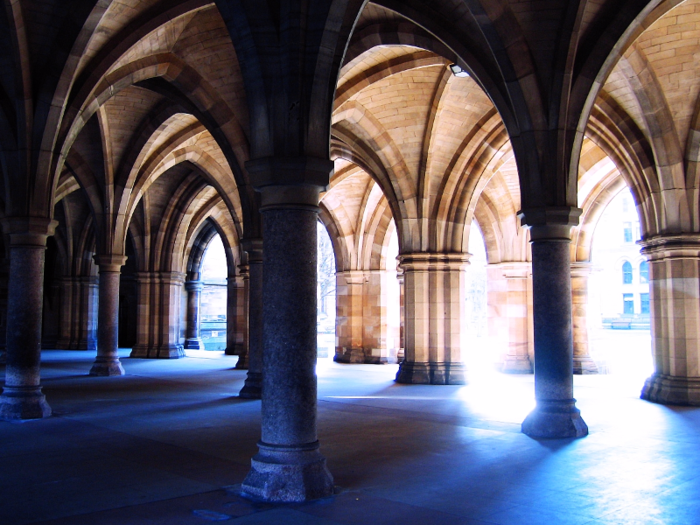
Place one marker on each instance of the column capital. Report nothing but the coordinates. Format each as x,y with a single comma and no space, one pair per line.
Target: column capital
28,231
676,246
290,171
550,223
422,261
110,263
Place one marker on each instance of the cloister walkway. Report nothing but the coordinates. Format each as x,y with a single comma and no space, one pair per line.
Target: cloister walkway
169,443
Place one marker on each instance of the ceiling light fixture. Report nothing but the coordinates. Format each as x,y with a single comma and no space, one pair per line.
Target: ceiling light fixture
459,71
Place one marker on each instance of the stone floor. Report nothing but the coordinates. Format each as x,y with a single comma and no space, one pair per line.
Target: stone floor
169,443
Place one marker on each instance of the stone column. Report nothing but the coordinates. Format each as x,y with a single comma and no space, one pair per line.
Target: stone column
194,295
349,286
555,415
69,312
146,317
237,316
86,329
170,284
107,361
22,397
509,317
252,389
401,350
434,294
674,289
289,465
583,362
374,319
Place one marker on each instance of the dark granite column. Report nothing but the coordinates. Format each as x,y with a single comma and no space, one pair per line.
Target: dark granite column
289,466
22,397
555,415
107,361
253,383
193,341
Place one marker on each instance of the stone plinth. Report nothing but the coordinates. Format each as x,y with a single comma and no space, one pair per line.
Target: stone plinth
674,271
434,307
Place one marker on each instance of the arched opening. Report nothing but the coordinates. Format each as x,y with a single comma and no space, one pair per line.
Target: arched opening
213,274
479,355
619,323
326,269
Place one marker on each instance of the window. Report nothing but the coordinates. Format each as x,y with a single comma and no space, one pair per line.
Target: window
628,303
644,272
625,205
628,231
626,273
644,299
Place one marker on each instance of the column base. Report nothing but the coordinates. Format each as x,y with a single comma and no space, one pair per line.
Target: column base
252,389
516,364
107,366
288,474
585,366
349,355
90,344
243,362
139,351
237,349
23,402
431,373
669,390
555,419
171,352
195,343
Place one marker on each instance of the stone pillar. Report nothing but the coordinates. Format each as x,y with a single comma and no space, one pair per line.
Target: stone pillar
509,313
289,465
107,361
193,340
374,319
252,389
88,314
583,362
400,351
145,319
674,288
69,311
4,274
22,397
237,316
170,284
349,289
555,415
434,294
